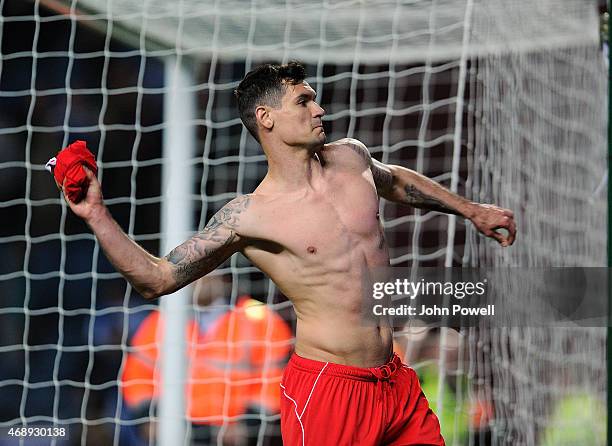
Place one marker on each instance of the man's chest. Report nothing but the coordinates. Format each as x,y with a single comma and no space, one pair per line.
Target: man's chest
339,216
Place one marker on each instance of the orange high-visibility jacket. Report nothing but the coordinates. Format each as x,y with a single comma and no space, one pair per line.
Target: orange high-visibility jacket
236,363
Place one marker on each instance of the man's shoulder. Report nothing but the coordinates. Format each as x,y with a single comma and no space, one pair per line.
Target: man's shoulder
349,149
235,213
346,143
248,207
240,203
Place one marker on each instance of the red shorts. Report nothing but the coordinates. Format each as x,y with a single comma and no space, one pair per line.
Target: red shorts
331,404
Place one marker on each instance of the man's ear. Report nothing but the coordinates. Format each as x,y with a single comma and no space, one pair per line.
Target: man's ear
263,117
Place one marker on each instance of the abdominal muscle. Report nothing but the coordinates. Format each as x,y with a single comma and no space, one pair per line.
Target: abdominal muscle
343,342
330,324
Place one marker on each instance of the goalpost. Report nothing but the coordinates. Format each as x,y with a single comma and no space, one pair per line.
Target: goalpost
501,101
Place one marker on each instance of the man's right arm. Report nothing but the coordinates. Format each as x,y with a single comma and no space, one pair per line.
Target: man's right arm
152,276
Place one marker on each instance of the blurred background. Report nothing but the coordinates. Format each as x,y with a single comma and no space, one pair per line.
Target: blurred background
503,102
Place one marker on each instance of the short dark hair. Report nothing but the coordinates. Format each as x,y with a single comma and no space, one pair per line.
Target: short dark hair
265,85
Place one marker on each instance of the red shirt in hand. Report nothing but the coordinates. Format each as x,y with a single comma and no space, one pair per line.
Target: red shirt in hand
67,166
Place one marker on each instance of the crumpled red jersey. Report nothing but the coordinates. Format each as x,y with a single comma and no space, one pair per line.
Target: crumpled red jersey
66,165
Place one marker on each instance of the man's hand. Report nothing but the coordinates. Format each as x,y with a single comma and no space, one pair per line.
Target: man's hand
92,203
489,218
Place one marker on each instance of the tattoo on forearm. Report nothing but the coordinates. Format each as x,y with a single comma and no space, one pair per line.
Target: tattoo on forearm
418,199
205,250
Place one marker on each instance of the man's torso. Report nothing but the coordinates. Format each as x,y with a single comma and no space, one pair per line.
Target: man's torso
317,244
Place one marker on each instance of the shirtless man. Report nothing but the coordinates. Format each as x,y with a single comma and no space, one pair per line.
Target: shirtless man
312,225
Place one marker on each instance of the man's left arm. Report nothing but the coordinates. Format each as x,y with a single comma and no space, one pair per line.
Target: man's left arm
402,185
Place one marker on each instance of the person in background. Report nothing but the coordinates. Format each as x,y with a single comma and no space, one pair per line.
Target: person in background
236,356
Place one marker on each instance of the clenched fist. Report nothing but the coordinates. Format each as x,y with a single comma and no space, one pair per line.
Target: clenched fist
489,218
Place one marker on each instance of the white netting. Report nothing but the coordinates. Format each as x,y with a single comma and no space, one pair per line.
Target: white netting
539,147
509,95
379,31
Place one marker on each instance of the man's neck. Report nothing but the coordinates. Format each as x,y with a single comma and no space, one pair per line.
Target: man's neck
291,167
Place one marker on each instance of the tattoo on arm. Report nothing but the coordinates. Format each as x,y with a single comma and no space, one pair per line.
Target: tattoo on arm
361,150
383,179
418,199
209,247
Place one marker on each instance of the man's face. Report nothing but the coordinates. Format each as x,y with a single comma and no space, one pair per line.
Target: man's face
298,121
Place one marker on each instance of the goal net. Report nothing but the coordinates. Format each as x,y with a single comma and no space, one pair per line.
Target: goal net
501,101
530,150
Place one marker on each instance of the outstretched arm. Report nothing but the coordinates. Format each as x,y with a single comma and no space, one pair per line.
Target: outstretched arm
402,185
152,276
